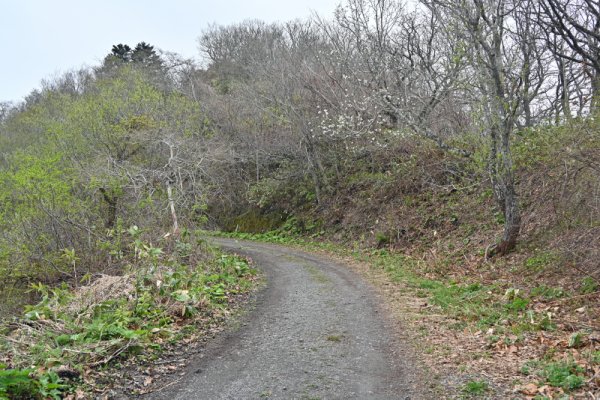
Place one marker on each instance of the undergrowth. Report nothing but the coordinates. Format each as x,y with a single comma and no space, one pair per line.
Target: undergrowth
59,343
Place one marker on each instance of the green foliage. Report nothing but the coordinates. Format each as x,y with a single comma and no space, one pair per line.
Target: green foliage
517,304
152,304
475,388
28,384
595,357
547,292
563,374
576,340
381,239
588,285
540,261
75,170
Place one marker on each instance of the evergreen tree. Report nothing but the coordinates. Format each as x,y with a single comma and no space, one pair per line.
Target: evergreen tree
122,52
146,55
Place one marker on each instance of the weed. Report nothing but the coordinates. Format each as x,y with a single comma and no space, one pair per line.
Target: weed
381,239
335,338
563,374
27,384
548,293
526,369
588,285
475,388
517,304
576,340
595,357
540,261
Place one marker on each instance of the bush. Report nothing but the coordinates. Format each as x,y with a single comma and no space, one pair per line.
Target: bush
25,384
563,374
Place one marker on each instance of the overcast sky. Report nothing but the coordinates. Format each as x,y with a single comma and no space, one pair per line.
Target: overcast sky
42,38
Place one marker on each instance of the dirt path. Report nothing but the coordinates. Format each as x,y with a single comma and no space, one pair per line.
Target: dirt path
316,333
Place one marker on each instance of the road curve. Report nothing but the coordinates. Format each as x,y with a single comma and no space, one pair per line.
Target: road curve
316,332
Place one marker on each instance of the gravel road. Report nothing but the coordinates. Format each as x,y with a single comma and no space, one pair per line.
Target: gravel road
316,332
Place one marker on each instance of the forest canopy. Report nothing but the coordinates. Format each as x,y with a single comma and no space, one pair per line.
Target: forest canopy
288,119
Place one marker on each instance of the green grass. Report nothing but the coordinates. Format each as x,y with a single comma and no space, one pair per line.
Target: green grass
475,388
481,306
540,261
595,357
548,293
563,374
588,285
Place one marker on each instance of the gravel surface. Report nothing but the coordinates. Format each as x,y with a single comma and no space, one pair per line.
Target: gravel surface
316,332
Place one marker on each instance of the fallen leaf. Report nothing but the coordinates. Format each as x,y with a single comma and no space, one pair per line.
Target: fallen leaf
530,389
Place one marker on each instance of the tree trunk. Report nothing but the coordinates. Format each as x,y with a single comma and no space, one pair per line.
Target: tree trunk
112,203
595,103
172,207
504,188
564,89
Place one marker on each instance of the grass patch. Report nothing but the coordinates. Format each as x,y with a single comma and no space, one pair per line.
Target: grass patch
588,285
540,261
547,292
563,374
475,388
476,304
566,375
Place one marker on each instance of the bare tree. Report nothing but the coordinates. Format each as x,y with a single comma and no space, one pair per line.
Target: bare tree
5,109
406,62
577,23
499,66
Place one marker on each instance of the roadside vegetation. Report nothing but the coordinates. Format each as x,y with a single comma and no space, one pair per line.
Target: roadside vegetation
528,321
73,342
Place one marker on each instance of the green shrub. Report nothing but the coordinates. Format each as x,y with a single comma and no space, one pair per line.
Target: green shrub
563,374
540,261
588,285
25,384
547,292
475,388
382,239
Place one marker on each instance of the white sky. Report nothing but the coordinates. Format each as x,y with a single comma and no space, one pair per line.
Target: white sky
42,38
